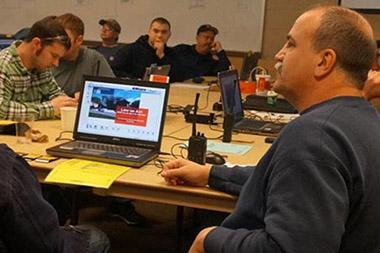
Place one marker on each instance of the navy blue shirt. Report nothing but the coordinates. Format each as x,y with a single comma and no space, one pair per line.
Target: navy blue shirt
134,58
110,53
317,188
193,64
29,223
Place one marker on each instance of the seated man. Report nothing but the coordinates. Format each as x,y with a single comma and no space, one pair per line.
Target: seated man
27,86
29,223
205,58
149,49
78,60
371,88
109,49
316,189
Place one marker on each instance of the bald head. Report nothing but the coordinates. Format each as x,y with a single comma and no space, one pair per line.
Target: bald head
350,36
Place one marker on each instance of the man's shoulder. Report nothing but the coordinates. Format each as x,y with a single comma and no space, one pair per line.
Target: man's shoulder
90,54
8,61
7,156
6,56
140,43
183,47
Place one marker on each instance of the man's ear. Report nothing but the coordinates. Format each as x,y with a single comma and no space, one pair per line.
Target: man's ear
326,62
79,39
37,43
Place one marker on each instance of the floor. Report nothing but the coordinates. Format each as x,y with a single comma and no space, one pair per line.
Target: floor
160,233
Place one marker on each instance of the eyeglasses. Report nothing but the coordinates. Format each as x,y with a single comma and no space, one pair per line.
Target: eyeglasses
63,39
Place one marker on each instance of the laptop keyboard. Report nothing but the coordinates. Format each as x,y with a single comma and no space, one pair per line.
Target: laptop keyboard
107,148
256,127
251,123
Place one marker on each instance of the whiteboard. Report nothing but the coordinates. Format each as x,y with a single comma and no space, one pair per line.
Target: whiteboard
240,22
361,4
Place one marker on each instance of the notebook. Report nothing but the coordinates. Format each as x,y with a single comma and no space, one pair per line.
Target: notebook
118,121
232,103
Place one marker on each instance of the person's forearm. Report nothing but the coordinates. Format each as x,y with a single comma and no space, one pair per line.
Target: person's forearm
229,179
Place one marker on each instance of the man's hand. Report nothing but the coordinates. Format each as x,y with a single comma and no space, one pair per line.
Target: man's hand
197,246
62,101
160,47
216,47
185,172
77,95
371,87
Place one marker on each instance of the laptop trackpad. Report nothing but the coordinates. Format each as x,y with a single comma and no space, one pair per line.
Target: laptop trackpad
91,152
121,156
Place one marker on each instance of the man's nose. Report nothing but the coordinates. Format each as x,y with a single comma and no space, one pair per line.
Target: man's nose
55,62
280,54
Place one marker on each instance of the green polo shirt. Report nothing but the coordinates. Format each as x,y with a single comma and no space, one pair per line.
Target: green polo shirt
24,92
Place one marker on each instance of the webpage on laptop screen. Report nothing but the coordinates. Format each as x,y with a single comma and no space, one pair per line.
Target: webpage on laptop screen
120,110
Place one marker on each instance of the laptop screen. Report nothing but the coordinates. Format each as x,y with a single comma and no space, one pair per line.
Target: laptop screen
162,70
230,90
121,110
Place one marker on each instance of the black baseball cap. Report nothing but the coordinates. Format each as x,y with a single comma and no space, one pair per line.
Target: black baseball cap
112,23
207,28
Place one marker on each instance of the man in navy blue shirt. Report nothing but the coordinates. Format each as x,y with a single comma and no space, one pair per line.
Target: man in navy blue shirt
149,49
205,58
110,48
29,223
317,188
371,88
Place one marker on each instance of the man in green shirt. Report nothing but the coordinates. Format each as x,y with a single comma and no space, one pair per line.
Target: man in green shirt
27,86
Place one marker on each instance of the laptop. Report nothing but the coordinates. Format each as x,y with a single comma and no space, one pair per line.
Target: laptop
259,103
232,103
162,70
249,62
118,121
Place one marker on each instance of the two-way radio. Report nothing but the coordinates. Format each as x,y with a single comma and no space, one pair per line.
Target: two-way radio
197,141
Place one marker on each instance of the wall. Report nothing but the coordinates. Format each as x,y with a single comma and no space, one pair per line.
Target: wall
280,16
240,21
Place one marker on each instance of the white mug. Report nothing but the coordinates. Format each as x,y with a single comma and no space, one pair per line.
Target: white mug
68,115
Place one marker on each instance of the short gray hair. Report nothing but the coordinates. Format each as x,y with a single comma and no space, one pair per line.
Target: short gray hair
342,30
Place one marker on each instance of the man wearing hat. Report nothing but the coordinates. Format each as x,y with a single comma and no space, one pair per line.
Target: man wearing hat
109,34
206,57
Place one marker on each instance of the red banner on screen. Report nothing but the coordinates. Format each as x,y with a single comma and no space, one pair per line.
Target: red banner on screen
131,116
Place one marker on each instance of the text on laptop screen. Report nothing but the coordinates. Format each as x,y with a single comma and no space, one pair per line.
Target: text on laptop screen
121,110
230,89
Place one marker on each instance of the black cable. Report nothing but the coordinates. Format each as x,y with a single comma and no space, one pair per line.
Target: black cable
176,138
181,152
215,138
175,145
207,98
214,129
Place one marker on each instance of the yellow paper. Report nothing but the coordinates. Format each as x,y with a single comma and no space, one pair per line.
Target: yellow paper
6,122
87,173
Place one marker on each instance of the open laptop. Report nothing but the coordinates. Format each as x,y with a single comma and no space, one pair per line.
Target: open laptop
232,103
118,121
162,70
249,62
259,103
